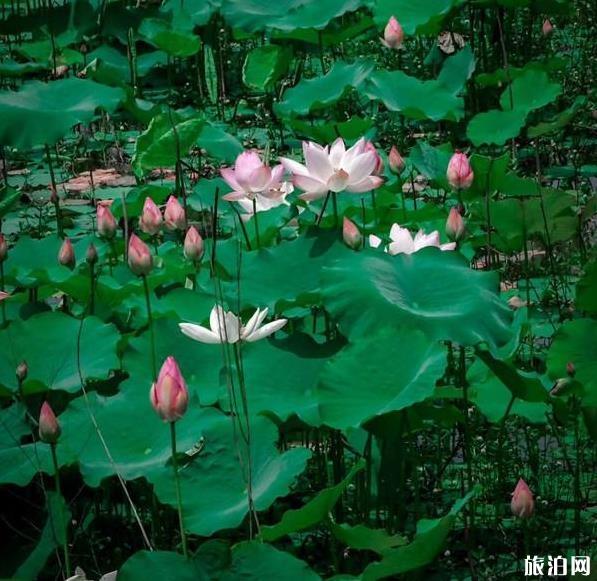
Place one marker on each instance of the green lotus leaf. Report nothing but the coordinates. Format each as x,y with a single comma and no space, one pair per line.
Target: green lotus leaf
415,17
163,565
170,38
265,65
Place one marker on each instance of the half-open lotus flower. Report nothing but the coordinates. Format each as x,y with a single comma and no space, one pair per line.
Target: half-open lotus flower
459,173
251,178
402,241
169,395
226,327
334,169
522,504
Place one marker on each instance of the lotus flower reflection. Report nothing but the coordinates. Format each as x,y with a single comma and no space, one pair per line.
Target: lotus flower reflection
402,241
226,327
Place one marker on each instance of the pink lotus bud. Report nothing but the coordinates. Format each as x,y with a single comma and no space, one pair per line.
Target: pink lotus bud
393,35
570,369
378,170
106,223
460,174
151,218
351,235
140,259
91,255
3,248
22,371
455,225
547,27
193,245
396,162
49,428
174,215
66,256
169,395
522,504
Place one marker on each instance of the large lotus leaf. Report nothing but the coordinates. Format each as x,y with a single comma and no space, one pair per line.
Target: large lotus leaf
218,143
495,126
428,542
156,147
559,121
415,17
575,343
313,512
163,565
214,488
586,289
415,98
282,375
323,132
363,538
320,92
492,397
197,11
256,561
457,70
432,162
287,15
48,342
377,375
530,91
288,274
169,37
265,65
45,112
430,290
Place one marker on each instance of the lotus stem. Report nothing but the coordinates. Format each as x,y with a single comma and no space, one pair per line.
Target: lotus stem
3,303
183,536
256,220
151,329
62,519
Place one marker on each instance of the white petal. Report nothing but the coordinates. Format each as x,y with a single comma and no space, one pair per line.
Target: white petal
231,330
361,167
337,152
251,324
310,185
402,241
366,185
199,333
266,330
318,162
216,319
294,167
448,246
374,241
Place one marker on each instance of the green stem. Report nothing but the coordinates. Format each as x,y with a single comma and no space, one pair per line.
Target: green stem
183,536
3,303
577,494
151,330
62,519
256,222
91,289
325,203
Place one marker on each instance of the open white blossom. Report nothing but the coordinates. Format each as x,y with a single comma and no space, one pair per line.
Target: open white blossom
226,327
402,241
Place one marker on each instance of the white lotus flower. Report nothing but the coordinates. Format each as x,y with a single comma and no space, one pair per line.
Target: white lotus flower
226,327
334,169
265,203
402,241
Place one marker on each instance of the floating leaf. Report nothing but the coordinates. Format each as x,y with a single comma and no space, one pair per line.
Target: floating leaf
265,65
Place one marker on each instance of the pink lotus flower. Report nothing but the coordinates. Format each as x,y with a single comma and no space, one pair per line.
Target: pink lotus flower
169,395
193,245
49,428
226,327
351,235
378,170
151,218
402,241
66,255
174,215
140,259
396,162
393,35
459,173
547,27
106,223
334,169
3,248
522,504
455,227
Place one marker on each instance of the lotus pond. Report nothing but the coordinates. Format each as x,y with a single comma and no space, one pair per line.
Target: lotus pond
297,290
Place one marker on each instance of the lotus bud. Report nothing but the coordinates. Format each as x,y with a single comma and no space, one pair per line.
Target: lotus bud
3,248
570,369
140,259
91,255
66,256
169,395
455,225
460,174
106,223
151,218
396,162
378,170
193,245
393,35
547,27
22,371
351,234
174,215
49,428
522,504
